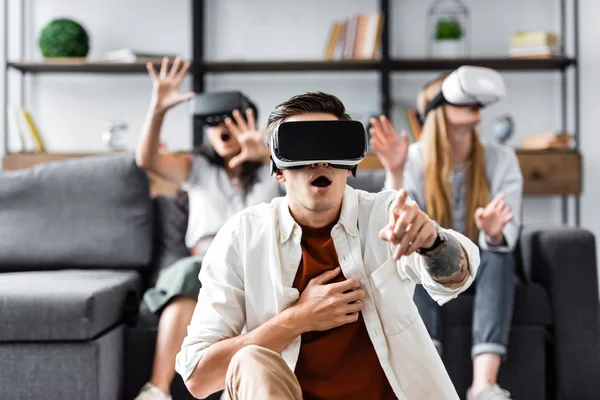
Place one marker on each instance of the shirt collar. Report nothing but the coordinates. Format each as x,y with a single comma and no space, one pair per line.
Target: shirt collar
348,216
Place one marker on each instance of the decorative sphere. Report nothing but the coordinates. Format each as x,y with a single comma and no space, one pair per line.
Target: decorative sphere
502,128
64,37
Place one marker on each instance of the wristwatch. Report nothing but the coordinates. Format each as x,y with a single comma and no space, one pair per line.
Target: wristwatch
440,240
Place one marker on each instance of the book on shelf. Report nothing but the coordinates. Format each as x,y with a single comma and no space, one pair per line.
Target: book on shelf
356,38
535,45
23,133
132,56
408,121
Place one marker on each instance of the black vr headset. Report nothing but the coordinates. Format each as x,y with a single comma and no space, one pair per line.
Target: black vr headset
341,144
213,108
468,86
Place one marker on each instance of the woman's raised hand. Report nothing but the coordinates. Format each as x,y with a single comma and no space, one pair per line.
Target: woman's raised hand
165,85
390,148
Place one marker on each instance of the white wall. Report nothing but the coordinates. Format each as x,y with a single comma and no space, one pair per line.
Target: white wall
72,110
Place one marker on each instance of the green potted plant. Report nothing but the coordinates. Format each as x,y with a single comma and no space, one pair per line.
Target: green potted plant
448,29
64,39
448,38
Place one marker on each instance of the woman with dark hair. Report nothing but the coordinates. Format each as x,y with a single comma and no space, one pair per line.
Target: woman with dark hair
220,179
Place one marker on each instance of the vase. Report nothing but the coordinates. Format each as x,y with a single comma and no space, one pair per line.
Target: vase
449,26
448,48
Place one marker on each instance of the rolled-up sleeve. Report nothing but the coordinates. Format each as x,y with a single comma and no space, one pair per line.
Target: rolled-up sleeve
414,266
507,180
220,311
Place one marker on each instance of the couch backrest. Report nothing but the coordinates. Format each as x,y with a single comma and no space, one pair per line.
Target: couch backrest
89,212
368,180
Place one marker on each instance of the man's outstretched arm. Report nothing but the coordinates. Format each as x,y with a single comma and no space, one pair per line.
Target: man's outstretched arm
447,262
411,230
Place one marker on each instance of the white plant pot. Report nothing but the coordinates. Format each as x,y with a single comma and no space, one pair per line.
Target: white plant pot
448,48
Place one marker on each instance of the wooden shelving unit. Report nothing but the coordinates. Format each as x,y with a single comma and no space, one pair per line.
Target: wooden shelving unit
385,66
545,173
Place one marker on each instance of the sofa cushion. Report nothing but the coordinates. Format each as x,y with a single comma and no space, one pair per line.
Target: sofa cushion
170,222
86,212
91,370
65,305
532,307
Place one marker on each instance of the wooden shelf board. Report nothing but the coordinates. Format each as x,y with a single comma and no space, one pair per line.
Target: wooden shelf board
545,172
372,162
106,67
291,66
503,64
82,66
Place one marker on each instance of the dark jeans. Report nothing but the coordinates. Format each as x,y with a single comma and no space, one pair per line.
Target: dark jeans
492,309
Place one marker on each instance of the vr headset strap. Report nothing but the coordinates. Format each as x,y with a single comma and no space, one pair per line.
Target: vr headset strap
434,103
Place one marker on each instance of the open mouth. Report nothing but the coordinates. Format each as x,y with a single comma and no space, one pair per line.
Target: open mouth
321,181
225,136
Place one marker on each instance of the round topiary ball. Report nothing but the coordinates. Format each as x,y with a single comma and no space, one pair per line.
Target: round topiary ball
64,37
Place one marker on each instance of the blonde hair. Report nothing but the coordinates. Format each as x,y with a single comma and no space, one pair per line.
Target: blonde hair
438,166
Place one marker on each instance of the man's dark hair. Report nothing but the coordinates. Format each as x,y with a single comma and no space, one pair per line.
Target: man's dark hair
311,102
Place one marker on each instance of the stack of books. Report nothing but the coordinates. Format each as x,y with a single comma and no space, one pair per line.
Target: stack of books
535,45
355,38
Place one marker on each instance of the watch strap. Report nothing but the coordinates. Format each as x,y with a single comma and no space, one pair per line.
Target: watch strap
440,240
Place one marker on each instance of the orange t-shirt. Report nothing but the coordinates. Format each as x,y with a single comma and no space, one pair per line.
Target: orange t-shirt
340,363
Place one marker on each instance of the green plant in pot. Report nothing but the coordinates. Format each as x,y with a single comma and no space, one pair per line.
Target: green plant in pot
64,38
448,29
449,38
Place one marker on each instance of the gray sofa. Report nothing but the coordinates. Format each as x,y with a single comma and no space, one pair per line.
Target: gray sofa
81,239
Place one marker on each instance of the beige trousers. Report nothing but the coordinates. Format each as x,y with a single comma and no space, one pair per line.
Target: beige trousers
259,373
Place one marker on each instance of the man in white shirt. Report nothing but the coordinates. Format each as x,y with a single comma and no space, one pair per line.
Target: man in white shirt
256,335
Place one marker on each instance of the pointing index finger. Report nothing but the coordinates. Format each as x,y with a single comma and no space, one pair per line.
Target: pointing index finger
401,199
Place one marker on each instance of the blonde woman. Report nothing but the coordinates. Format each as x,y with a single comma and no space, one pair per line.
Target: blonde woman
474,187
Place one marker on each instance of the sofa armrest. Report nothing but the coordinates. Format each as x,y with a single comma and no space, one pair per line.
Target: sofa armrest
563,261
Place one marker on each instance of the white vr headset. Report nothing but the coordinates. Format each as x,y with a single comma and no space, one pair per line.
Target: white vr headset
341,144
468,86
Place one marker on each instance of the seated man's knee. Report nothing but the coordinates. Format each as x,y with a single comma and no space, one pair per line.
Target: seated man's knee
251,356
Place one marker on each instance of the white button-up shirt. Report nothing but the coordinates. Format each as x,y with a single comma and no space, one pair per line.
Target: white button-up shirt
248,273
